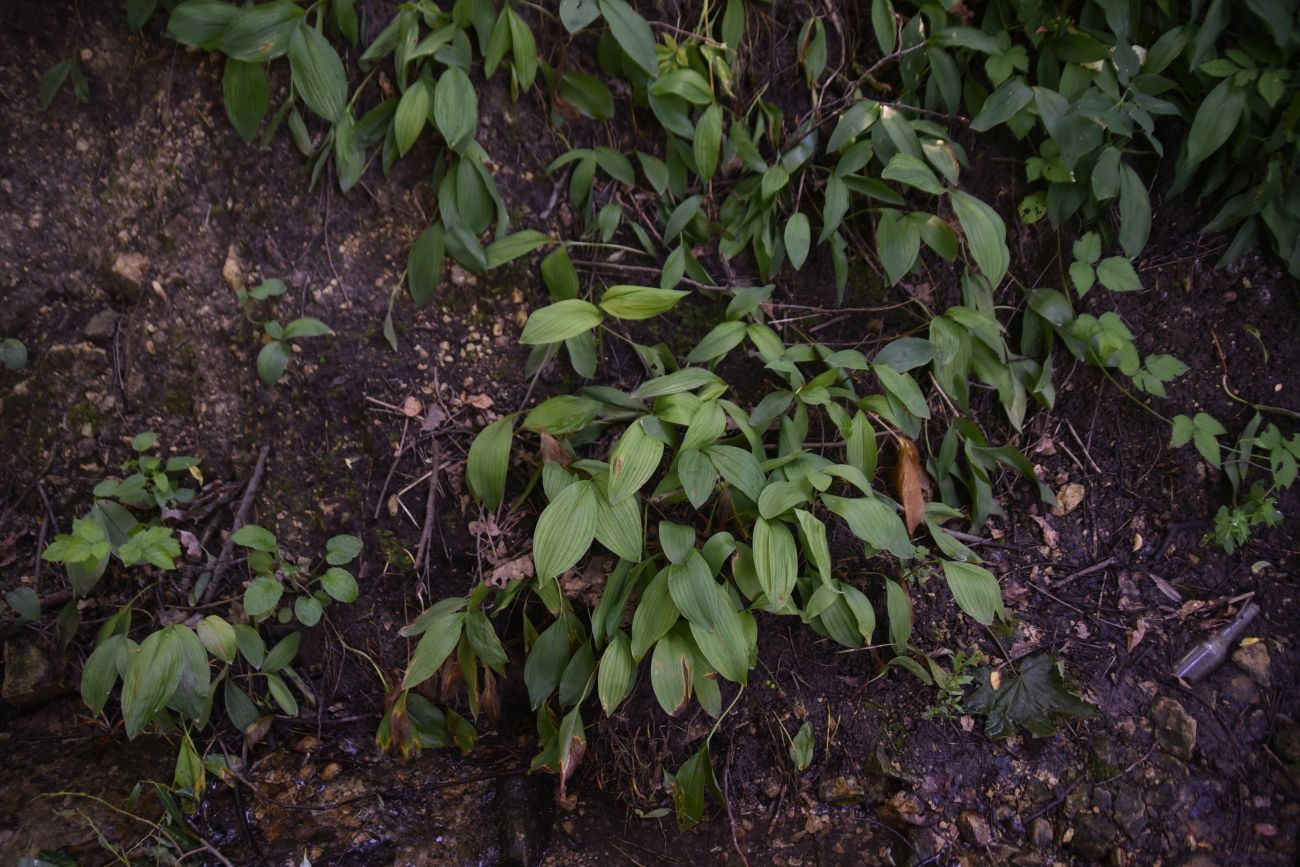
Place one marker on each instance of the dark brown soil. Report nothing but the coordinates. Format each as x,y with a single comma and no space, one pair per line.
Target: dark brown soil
151,166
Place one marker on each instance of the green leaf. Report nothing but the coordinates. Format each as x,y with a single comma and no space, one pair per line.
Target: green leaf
514,245
262,595
546,662
985,235
151,679
1003,104
308,610
740,468
455,108
1030,695
655,614
565,529
1134,212
798,236
899,608
343,548
775,561
724,337
698,476
873,521
685,83
563,414
884,26
318,74
801,748
282,694
304,327
975,589
1116,274
1088,248
1082,275
632,461
201,22
483,639
907,169
632,34
898,243
247,95
708,141
425,261
489,461
261,32
1215,120
639,302
614,679
560,321
853,121
411,115
559,275
618,528
523,48
437,643
255,537
339,584
272,361
99,675
670,673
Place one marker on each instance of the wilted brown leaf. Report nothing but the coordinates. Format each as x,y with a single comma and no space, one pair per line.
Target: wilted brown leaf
911,482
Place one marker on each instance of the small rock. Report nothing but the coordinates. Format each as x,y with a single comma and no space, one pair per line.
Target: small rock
1068,498
1095,834
975,828
102,325
33,672
1241,690
1175,727
840,792
330,771
903,809
1041,833
128,274
1287,743
232,272
1252,658
771,789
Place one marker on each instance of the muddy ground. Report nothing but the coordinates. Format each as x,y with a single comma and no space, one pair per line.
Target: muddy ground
150,167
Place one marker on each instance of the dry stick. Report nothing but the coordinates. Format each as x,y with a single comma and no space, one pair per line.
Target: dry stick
392,468
250,492
430,503
731,817
1095,567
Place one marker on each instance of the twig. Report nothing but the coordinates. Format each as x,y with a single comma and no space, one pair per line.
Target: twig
241,517
392,468
731,817
430,508
1095,567
1086,453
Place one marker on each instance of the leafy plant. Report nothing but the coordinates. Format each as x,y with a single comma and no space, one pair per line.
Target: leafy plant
59,74
278,340
1028,694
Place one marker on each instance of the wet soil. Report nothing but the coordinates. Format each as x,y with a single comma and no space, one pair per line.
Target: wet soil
150,166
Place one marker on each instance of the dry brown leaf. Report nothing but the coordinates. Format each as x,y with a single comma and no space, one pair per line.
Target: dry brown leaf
911,482
1051,538
480,401
553,450
1137,633
1068,498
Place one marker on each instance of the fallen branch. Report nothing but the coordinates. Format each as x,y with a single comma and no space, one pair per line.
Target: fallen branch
241,517
430,508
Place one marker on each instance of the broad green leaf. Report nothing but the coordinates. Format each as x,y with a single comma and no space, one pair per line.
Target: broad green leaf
686,379
618,528
986,235
483,639
247,94
563,414
152,679
255,537
546,662
708,141
854,121
884,26
559,275
975,589
261,32
218,637
523,48
639,302
99,675
1215,120
740,468
201,22
801,748
489,461
514,245
1116,274
873,521
282,694
614,679
272,361
685,83
779,498
318,74
724,337
1002,104
677,541
339,584
899,608
304,327
655,614
632,34
435,646
412,114
455,108
284,652
670,673
262,595
1031,695
560,321
907,169
424,264
1134,212
565,529
798,236
898,243
815,546
632,461
775,561
698,476
308,610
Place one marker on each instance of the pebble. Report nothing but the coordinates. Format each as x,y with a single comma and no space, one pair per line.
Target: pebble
975,828
128,274
1175,727
1041,833
1252,657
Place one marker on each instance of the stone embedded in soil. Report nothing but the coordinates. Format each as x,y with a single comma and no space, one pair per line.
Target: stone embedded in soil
1287,743
1175,727
975,828
128,274
1068,498
841,792
904,808
33,672
1252,658
1041,833
101,325
1095,834
1241,690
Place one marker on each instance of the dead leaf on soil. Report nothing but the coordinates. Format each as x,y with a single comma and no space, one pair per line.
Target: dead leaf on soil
411,407
1051,538
911,482
480,401
512,570
1137,633
232,272
1068,499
